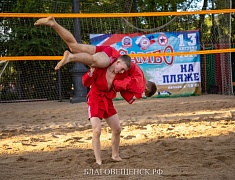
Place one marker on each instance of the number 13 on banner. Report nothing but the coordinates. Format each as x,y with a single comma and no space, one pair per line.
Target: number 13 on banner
191,36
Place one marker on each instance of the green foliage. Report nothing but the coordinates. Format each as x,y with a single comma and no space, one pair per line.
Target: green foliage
233,23
34,79
19,37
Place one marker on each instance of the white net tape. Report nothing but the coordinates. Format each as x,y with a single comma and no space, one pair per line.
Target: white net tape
3,69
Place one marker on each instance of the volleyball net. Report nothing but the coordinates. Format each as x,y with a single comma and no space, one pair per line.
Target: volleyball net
29,54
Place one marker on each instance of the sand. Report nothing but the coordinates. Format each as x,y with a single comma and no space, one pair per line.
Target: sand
162,138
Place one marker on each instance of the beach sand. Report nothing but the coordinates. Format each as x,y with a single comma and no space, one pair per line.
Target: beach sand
162,138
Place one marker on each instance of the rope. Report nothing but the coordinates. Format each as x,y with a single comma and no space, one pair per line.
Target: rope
3,67
148,30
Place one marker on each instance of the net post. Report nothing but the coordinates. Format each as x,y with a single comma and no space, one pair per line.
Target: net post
78,69
80,91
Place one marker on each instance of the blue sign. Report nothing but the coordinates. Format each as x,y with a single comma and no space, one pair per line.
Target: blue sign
172,74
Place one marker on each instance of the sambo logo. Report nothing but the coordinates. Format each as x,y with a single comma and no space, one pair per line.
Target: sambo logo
126,41
162,40
144,42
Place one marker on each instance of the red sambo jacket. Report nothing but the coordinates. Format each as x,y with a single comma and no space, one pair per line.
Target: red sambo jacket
133,83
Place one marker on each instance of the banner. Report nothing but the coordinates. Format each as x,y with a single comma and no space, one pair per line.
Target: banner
173,75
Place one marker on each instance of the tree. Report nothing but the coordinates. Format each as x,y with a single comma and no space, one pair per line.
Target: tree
35,79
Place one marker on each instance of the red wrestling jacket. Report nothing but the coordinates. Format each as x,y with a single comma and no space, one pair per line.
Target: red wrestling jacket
132,84
98,88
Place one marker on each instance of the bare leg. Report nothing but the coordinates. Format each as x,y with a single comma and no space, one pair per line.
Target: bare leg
86,53
96,126
84,58
99,60
114,124
67,37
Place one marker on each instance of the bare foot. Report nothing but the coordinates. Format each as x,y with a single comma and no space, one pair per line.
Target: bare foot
116,158
49,21
63,61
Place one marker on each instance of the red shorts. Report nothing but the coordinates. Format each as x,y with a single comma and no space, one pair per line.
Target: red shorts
110,51
101,110
106,49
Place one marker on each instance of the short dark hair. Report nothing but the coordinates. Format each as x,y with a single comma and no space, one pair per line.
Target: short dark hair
127,59
152,88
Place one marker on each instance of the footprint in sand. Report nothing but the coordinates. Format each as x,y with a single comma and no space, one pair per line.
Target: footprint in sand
90,161
73,139
22,159
221,158
27,143
129,137
127,153
37,140
88,138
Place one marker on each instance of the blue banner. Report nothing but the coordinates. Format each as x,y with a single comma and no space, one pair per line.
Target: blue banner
172,74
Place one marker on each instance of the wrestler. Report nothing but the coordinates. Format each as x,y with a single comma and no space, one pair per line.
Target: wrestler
83,53
100,56
133,85
100,104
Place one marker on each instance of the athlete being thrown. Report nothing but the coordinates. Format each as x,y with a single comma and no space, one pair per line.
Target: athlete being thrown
131,88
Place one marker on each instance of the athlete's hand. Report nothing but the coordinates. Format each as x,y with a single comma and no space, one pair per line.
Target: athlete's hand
91,71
